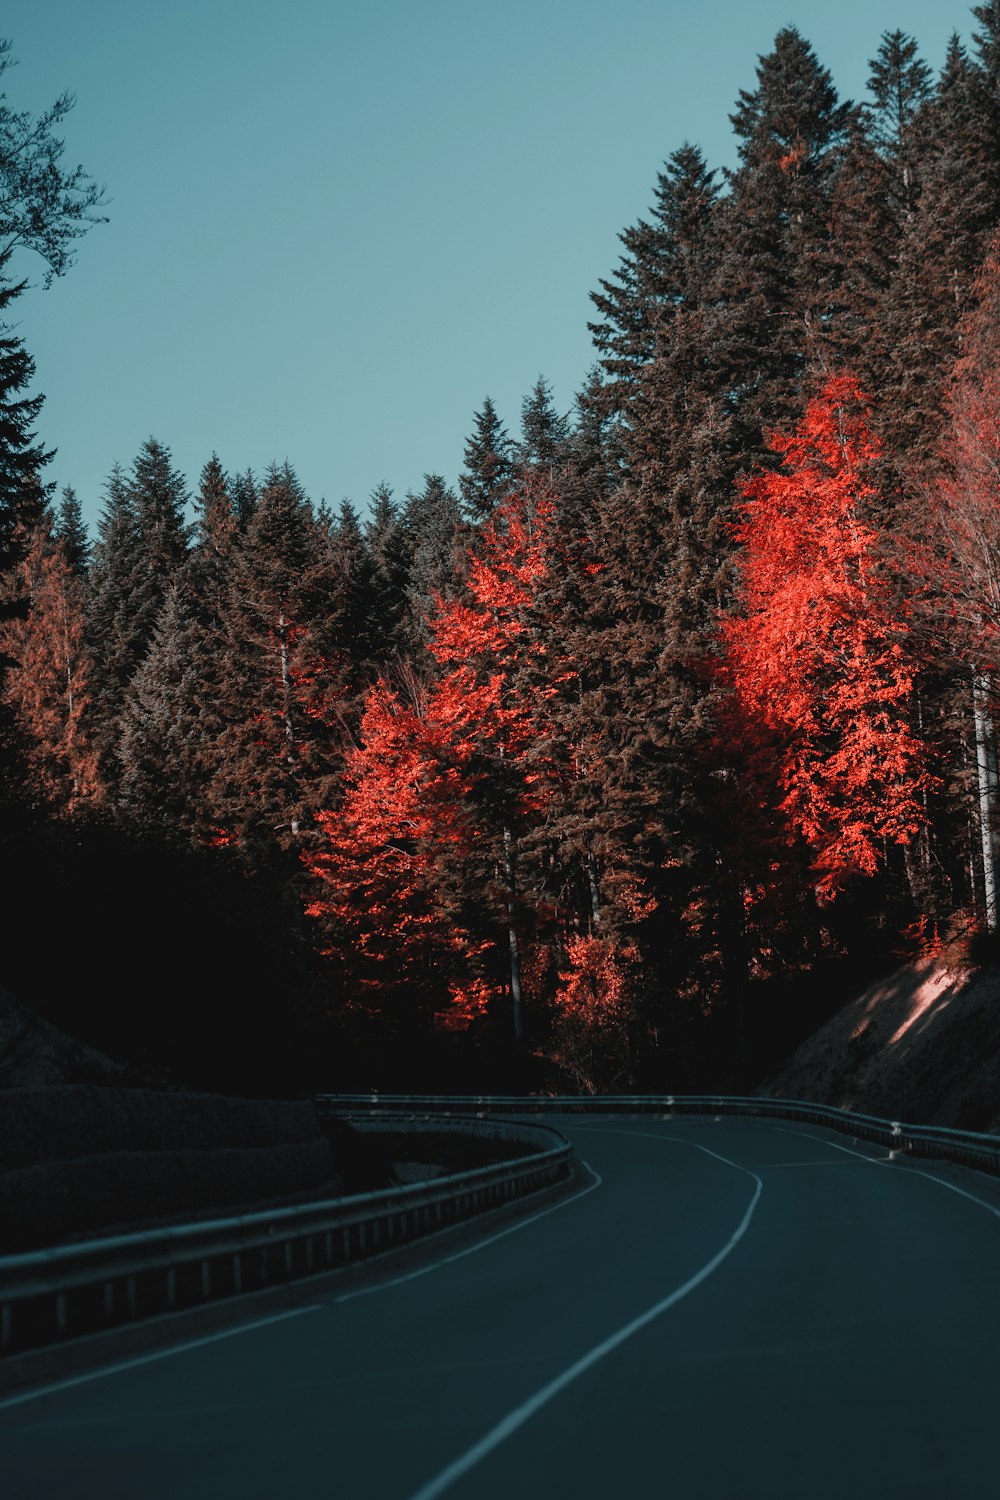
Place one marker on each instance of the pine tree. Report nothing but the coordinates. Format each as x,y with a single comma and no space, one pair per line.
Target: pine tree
159,495
163,776
175,706
115,583
942,244
71,531
489,473
245,496
900,86
23,496
433,522
653,276
544,432
274,757
389,548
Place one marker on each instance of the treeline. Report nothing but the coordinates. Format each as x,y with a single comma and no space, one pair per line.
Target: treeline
687,691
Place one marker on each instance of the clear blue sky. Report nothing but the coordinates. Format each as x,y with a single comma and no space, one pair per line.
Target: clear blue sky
335,225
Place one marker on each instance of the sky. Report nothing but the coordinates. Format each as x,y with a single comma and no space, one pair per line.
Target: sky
335,226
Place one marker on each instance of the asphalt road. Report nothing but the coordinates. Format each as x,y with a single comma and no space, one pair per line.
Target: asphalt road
728,1308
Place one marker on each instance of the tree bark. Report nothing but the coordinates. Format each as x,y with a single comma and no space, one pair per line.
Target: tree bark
986,777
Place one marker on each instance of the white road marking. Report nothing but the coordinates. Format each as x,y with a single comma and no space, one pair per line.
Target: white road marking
885,1161
446,1260
522,1414
147,1359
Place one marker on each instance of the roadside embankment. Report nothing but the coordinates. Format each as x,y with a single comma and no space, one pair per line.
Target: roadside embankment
922,1044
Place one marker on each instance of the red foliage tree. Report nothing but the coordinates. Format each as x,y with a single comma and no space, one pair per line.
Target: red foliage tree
816,651
437,795
48,685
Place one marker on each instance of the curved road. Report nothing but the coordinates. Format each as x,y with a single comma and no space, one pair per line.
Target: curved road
732,1308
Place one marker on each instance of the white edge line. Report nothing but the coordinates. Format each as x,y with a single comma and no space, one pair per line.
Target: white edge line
522,1414
446,1260
147,1359
876,1161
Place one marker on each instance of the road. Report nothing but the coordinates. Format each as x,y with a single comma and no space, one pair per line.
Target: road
732,1308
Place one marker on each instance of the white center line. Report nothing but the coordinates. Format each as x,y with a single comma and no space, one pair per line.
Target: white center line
522,1414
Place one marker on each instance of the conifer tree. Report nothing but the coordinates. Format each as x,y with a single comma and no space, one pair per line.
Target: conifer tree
159,495
489,473
274,755
900,86
175,706
23,495
244,495
544,432
433,522
778,267
653,276
163,774
114,588
71,531
941,246
389,547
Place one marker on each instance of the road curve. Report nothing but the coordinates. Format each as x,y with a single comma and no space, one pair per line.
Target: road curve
723,1308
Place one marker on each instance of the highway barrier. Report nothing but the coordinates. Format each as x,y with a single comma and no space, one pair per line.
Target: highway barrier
59,1293
968,1147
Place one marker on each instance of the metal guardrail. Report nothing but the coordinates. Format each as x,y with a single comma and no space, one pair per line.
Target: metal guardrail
54,1294
968,1147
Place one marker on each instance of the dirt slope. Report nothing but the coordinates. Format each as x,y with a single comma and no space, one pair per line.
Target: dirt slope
922,1045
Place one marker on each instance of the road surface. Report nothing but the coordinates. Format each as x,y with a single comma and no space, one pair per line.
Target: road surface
731,1308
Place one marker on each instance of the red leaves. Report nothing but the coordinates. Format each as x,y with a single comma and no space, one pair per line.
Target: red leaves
815,655
432,787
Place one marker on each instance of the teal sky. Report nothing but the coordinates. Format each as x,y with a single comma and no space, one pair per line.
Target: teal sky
335,225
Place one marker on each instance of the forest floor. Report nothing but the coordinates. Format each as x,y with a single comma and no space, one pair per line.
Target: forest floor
921,1045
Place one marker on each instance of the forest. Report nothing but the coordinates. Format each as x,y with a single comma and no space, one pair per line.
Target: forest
583,776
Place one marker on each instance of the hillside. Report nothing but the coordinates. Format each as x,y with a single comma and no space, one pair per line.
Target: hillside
921,1045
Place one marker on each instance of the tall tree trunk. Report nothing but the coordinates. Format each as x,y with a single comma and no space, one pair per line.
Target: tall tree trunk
286,689
517,1005
986,777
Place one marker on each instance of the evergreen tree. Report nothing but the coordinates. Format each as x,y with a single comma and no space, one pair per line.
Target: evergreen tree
544,432
115,582
489,472
652,276
275,758
164,774
900,86
778,271
176,704
159,495
23,496
389,547
71,531
433,522
940,249
244,496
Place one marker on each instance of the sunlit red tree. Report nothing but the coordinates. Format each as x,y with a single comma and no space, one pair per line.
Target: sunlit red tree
816,648
440,789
